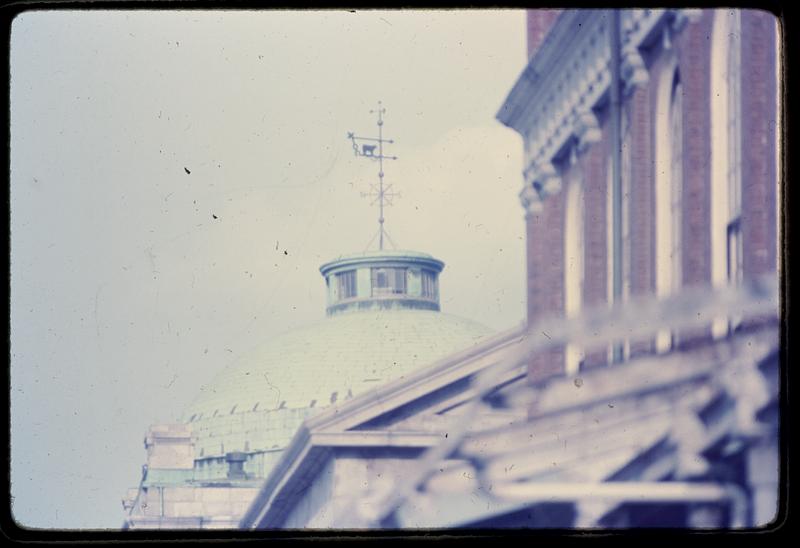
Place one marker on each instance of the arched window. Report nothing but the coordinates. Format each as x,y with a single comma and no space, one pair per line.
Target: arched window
573,262
625,228
726,165
669,187
676,178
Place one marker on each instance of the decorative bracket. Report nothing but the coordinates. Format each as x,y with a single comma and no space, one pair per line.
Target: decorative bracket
586,129
544,178
748,387
684,16
689,434
531,200
634,72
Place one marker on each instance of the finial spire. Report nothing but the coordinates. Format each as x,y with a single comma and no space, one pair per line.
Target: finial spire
382,195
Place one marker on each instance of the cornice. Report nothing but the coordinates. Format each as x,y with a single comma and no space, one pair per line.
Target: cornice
552,104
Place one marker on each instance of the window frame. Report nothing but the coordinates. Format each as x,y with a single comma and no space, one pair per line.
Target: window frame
396,281
347,285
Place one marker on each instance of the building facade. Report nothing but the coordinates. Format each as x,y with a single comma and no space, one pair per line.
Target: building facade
668,180
645,388
686,438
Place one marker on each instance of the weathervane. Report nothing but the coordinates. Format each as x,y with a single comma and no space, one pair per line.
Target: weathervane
382,194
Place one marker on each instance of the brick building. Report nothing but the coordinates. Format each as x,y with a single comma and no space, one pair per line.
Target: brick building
691,148
651,197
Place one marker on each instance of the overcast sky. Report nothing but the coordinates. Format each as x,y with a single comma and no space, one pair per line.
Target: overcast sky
127,294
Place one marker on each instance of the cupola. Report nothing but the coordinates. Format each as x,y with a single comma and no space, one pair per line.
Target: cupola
378,280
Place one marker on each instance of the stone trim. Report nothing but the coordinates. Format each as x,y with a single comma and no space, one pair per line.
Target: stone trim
551,105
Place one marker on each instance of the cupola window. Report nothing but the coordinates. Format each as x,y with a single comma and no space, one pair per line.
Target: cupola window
347,284
429,285
382,280
388,281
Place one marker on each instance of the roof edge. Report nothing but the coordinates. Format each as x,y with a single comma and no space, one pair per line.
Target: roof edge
382,257
308,439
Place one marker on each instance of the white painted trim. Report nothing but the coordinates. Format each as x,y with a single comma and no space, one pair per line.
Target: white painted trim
665,263
375,438
574,261
725,148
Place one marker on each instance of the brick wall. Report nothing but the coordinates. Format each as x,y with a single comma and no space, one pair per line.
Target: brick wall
692,48
596,162
642,194
539,22
758,153
642,201
545,272
545,258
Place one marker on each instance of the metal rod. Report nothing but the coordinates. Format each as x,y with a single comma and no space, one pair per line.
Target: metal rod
351,136
380,173
382,194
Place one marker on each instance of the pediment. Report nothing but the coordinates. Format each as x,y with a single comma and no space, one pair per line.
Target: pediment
425,397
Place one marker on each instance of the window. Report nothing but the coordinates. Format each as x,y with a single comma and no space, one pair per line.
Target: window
573,263
669,191
347,284
726,172
388,281
430,289
676,178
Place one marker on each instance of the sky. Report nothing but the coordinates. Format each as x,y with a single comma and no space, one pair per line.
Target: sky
178,177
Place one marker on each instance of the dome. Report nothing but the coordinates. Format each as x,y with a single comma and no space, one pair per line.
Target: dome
383,322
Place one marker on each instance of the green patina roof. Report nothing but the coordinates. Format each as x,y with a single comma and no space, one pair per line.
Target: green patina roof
261,399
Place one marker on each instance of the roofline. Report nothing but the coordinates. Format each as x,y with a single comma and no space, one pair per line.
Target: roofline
319,445
296,464
561,33
387,257
404,390
315,433
292,458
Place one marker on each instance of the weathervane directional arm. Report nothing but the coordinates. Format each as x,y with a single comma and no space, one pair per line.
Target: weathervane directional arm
352,136
366,148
